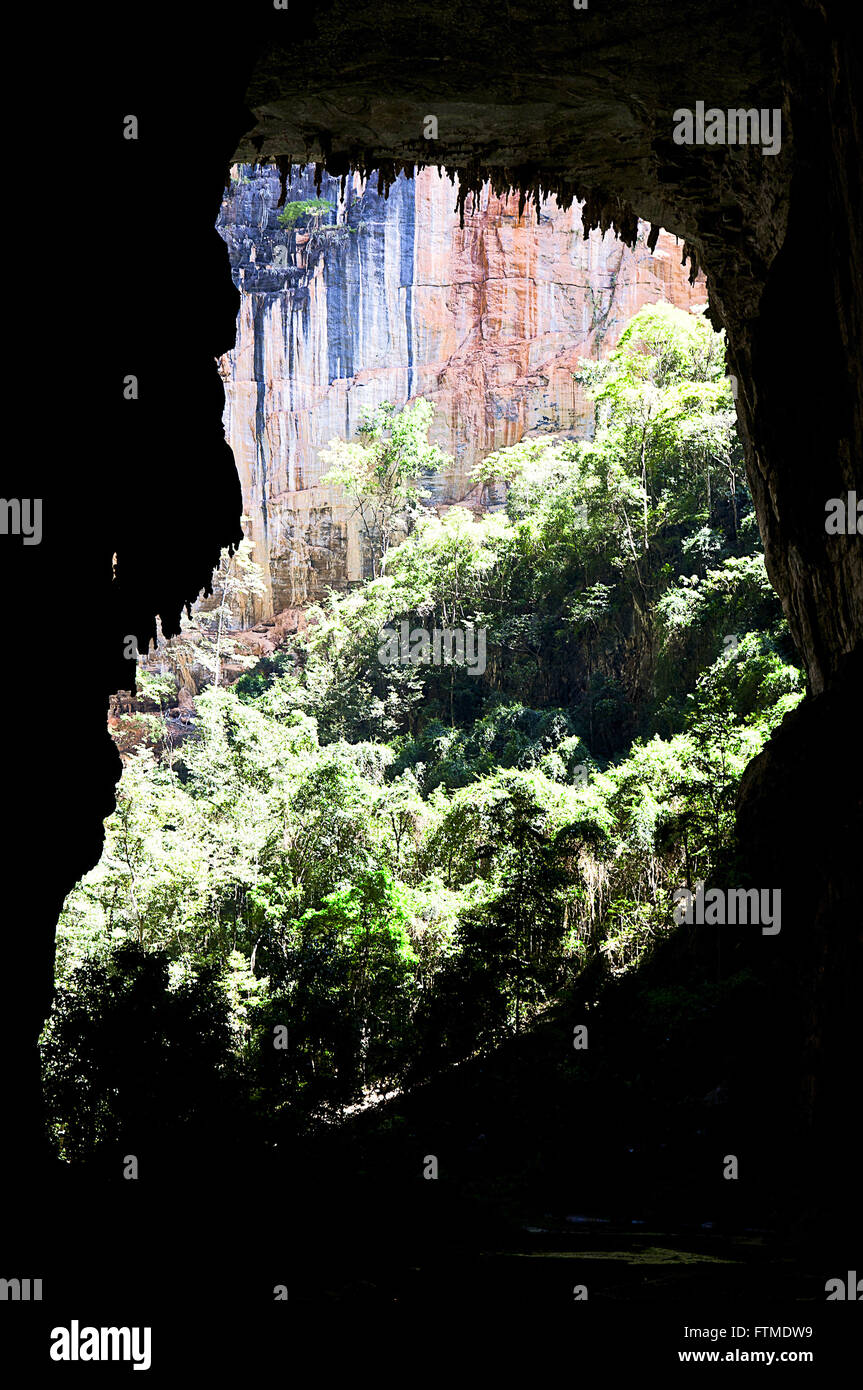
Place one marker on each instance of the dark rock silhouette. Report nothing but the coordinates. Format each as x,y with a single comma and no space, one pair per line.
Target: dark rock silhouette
576,102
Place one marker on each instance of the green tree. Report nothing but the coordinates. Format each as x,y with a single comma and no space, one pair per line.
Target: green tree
367,924
304,209
380,473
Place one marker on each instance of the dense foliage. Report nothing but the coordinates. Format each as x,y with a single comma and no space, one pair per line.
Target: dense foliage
303,208
362,872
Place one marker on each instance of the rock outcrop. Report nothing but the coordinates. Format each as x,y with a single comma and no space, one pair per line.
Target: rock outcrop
390,299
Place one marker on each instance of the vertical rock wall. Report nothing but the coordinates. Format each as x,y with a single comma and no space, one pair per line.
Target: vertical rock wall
391,299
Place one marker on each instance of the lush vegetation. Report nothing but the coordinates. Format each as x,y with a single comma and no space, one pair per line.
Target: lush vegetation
307,210
352,875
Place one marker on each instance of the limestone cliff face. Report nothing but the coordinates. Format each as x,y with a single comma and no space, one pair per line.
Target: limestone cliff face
390,299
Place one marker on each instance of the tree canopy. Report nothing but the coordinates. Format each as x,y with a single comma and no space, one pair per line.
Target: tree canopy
401,865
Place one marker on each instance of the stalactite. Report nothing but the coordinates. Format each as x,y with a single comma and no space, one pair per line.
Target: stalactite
690,254
601,209
284,167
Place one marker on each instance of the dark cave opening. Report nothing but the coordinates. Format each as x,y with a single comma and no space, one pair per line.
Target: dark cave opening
754,240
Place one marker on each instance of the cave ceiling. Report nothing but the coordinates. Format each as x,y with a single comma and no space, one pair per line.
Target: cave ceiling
581,103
